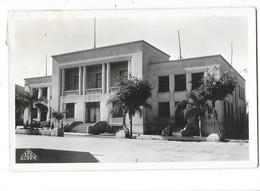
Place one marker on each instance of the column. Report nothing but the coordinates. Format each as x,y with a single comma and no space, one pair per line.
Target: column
48,103
129,69
80,80
62,81
103,78
108,77
188,81
84,79
38,110
39,93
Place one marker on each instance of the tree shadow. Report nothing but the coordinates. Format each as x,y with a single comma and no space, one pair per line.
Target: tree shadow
35,155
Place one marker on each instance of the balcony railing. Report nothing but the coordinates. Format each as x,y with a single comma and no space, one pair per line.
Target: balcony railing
71,92
93,91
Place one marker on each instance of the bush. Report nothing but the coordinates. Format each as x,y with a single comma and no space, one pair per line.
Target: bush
35,124
19,122
45,124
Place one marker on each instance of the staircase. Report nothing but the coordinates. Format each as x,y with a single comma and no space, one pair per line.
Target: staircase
81,128
72,125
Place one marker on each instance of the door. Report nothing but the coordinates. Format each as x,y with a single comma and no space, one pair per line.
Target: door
92,112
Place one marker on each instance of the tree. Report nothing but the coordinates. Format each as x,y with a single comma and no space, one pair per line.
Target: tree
194,106
217,89
57,116
29,99
131,98
119,108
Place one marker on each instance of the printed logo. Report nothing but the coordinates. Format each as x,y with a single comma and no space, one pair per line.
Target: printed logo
28,155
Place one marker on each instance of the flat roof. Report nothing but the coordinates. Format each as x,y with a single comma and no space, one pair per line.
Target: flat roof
39,77
121,44
217,55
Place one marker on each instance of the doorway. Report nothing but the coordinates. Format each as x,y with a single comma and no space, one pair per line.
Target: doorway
92,112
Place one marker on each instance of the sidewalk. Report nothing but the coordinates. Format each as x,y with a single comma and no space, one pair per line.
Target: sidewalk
156,137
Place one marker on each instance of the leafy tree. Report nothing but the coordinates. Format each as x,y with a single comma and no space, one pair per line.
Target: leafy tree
217,89
29,99
194,106
131,98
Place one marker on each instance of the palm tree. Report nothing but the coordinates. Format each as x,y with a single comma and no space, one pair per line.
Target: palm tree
58,115
194,107
29,99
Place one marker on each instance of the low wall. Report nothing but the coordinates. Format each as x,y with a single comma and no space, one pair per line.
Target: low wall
50,132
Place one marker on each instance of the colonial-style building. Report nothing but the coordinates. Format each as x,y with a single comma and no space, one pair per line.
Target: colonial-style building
83,81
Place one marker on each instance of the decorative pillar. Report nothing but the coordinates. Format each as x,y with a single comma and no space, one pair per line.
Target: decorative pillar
62,81
129,69
84,79
103,78
80,80
108,77
48,103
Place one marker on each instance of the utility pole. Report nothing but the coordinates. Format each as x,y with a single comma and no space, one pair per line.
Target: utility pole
94,32
179,45
46,65
231,54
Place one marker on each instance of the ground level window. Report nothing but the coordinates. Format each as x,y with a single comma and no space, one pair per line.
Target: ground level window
164,109
70,108
34,113
180,82
163,84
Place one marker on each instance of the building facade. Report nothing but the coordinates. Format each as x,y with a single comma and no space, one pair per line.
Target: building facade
83,81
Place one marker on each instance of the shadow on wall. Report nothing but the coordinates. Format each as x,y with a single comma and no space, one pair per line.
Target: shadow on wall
53,156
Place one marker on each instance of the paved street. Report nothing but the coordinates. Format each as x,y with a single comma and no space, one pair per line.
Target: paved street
135,150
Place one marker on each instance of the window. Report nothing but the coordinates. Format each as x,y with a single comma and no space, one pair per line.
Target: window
70,107
44,92
176,103
163,84
71,79
225,111
164,109
76,82
180,82
34,113
197,79
123,75
228,104
98,80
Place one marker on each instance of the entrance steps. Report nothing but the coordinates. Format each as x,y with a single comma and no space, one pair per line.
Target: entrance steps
81,128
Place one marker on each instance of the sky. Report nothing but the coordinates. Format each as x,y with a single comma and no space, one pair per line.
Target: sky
200,36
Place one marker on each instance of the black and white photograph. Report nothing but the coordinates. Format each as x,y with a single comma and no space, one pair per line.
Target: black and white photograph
132,89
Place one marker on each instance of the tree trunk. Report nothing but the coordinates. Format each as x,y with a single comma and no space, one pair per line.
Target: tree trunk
124,116
200,125
130,124
31,111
